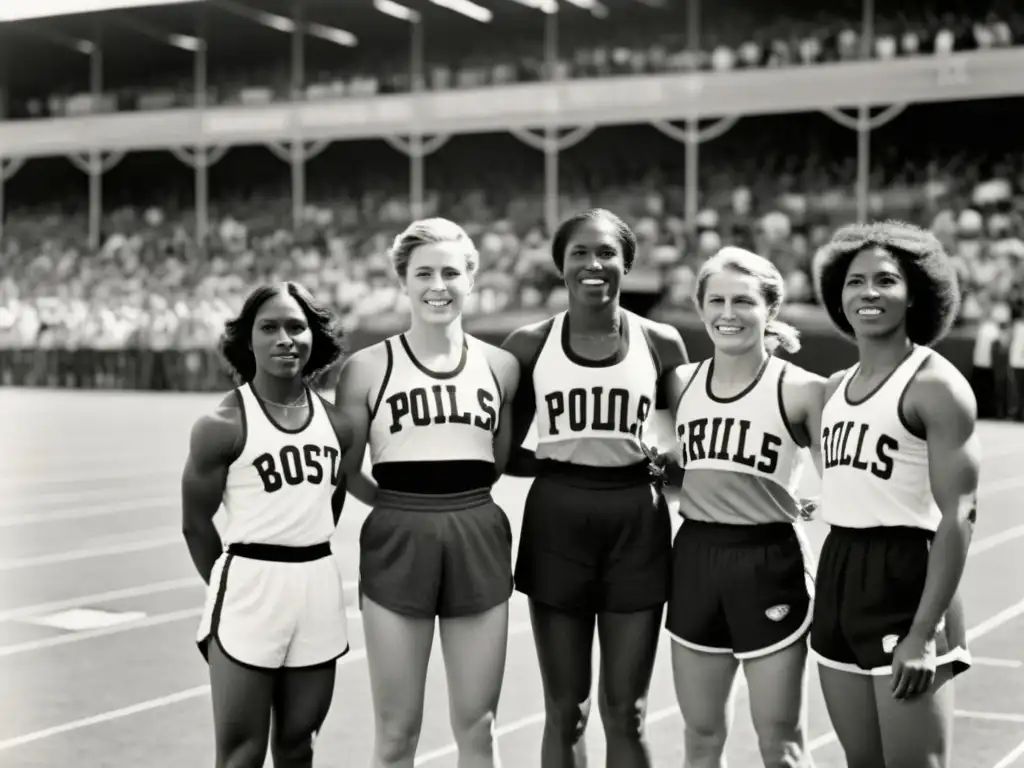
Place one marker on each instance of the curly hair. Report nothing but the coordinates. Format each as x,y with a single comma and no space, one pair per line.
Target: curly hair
932,284
236,341
568,228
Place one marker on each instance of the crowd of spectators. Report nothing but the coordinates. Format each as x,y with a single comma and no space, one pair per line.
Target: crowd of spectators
776,185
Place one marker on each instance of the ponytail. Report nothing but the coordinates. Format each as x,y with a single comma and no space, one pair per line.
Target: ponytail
779,334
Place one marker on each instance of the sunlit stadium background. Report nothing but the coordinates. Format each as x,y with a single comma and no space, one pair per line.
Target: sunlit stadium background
160,159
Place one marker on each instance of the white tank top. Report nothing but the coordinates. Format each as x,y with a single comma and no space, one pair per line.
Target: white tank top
594,413
279,489
875,471
422,415
742,462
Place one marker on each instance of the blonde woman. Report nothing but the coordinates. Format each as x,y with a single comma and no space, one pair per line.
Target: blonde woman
741,591
433,405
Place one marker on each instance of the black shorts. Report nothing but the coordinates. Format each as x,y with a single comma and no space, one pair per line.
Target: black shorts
869,584
436,555
739,589
595,541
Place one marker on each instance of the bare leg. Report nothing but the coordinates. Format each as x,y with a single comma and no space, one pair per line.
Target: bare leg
704,686
850,700
397,652
474,657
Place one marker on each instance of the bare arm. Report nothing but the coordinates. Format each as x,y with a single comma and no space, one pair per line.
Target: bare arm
351,399
945,406
671,356
214,443
803,397
344,435
506,371
524,345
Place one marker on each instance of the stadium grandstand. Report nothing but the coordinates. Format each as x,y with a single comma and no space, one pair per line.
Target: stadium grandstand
158,159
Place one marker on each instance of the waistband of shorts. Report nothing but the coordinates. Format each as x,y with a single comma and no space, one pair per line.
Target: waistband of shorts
432,502
738,533
280,554
587,476
882,532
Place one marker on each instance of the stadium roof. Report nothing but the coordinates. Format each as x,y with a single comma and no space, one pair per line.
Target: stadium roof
244,33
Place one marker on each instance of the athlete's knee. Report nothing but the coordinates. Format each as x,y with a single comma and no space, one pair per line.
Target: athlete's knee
242,753
705,738
292,750
397,737
863,755
781,742
929,760
622,719
474,734
782,749
567,718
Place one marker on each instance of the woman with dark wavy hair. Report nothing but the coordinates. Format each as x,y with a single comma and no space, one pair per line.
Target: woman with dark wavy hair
899,491
274,453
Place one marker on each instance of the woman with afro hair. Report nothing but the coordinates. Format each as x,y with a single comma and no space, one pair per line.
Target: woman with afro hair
899,492
275,455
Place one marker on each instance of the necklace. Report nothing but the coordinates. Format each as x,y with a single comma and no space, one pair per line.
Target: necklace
299,403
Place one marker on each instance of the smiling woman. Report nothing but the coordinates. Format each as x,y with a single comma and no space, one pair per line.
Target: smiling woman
433,406
273,454
595,543
740,594
899,490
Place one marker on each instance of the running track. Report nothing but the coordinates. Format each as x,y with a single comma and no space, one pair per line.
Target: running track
89,533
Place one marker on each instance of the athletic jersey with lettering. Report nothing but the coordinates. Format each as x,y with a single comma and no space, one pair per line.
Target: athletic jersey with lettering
594,413
741,459
874,469
279,489
422,418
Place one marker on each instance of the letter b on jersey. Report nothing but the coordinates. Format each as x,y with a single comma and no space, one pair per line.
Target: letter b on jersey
293,467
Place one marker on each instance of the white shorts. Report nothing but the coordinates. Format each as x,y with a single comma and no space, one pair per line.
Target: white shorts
274,613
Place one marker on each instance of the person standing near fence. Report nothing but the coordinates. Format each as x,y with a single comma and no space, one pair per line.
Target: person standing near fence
275,455
899,492
742,570
595,547
433,404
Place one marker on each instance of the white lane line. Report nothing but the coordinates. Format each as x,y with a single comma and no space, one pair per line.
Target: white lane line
515,628
991,717
80,512
90,634
14,564
29,501
985,661
1015,754
26,611
55,641
817,743
974,633
134,709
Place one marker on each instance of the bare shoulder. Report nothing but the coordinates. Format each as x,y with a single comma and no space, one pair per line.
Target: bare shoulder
803,385
667,341
341,423
217,437
363,369
658,329
684,373
939,392
832,383
503,363
524,343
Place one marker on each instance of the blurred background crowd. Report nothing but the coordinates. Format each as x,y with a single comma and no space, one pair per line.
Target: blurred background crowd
779,185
